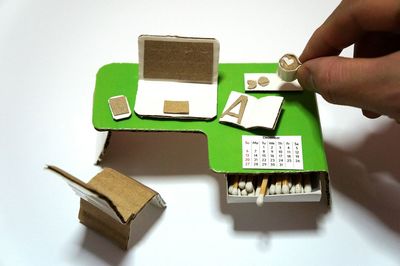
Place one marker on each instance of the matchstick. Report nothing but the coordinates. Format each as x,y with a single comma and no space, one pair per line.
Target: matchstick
233,188
298,187
242,182
278,185
293,188
271,190
249,184
285,185
235,185
259,180
263,191
290,184
307,183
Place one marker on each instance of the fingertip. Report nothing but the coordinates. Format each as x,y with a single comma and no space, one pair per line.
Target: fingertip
302,58
370,114
305,78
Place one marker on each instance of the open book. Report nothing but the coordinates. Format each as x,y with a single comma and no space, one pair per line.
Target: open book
248,111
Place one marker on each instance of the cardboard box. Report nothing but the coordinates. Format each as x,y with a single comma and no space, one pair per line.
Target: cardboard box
110,202
299,118
318,183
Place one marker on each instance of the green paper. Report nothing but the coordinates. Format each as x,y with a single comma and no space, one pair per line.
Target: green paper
299,117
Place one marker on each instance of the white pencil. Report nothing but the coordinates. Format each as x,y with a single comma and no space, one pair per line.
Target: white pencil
307,184
259,180
249,184
233,189
278,185
285,185
242,182
299,187
271,190
263,191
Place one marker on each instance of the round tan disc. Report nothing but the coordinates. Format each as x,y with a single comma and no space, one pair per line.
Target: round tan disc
252,84
263,81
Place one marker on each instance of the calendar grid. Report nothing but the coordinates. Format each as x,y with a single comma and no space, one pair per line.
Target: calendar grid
272,152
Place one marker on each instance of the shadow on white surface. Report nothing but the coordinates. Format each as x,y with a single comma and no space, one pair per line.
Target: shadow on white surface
369,174
102,248
110,253
155,153
181,154
143,223
274,216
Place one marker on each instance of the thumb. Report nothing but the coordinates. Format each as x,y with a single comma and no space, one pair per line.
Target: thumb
368,83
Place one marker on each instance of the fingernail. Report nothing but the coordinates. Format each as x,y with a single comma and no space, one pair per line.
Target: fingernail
306,79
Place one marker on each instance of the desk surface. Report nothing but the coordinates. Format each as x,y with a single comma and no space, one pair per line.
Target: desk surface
50,52
299,116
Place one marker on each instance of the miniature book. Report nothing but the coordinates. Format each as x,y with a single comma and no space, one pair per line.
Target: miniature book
249,112
178,77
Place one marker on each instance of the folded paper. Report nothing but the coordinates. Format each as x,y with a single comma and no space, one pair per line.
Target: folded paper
110,201
249,112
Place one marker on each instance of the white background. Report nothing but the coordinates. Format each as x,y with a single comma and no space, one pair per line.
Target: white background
50,52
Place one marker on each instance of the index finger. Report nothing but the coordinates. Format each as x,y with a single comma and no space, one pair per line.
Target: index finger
348,22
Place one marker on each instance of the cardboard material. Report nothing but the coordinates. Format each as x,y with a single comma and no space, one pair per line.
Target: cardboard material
177,69
313,196
110,201
288,66
299,118
119,107
182,59
176,107
249,112
275,83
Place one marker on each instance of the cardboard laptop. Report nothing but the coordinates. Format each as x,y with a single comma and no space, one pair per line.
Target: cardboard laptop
178,77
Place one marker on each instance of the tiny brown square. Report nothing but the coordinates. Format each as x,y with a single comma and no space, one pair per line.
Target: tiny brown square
176,107
118,105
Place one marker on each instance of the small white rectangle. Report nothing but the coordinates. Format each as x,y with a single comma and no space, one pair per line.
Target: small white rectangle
272,152
275,83
151,95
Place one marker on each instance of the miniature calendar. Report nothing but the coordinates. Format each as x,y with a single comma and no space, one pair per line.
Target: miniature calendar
272,152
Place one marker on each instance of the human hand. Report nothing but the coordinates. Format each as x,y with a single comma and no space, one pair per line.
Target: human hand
370,81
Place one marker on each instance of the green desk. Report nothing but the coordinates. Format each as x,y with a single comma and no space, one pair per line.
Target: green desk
299,117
